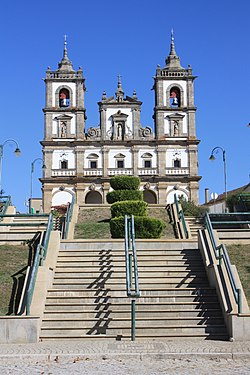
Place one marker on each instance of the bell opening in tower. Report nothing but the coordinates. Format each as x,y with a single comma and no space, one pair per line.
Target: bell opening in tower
64,100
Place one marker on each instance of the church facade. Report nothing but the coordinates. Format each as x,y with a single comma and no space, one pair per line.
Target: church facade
80,162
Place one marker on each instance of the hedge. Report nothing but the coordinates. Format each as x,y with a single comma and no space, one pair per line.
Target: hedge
136,208
125,183
145,227
124,195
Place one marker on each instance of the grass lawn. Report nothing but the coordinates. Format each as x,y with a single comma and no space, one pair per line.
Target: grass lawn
94,223
12,259
240,256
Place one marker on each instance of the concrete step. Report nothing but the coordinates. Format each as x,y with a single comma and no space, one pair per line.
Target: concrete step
144,331
112,273
61,293
183,313
146,306
104,245
143,286
112,322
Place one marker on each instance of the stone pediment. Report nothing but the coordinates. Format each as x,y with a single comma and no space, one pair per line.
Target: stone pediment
119,115
120,155
176,115
63,117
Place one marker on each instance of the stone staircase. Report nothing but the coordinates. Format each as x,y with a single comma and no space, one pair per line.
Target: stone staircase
194,225
22,228
88,296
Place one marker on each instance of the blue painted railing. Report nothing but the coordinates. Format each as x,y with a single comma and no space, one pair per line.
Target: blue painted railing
181,217
132,282
221,254
68,218
40,256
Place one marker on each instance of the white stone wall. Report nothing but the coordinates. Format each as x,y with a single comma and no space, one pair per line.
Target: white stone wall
96,151
60,155
112,111
167,122
145,151
180,191
55,123
173,154
127,159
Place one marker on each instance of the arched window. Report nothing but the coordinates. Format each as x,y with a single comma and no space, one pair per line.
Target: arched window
64,98
93,197
175,97
149,196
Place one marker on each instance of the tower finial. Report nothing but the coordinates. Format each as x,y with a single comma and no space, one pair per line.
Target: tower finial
119,92
172,35
65,63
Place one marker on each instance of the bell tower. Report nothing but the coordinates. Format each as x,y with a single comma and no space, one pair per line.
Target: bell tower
64,127
174,120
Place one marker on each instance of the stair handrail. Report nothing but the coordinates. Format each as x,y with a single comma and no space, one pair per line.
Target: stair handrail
40,256
221,254
68,218
181,217
131,260
7,202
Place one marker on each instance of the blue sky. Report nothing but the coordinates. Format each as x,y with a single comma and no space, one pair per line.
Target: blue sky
130,38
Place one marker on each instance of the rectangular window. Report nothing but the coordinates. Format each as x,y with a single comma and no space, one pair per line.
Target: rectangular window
93,164
147,164
64,164
120,163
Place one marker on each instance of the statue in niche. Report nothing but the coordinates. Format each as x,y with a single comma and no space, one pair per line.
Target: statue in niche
63,130
176,128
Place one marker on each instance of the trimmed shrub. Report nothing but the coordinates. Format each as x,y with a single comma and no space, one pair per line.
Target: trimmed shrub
125,183
145,227
124,195
136,208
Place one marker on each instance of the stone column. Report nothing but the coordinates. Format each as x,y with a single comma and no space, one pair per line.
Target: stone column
103,123
105,187
162,187
194,191
79,163
193,160
105,156
47,199
135,153
47,156
161,161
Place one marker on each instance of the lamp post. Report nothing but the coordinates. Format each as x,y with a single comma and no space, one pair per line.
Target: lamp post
31,179
17,153
212,157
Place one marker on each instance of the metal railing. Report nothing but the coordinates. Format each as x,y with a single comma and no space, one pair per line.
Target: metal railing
132,282
68,218
40,256
221,254
5,203
181,217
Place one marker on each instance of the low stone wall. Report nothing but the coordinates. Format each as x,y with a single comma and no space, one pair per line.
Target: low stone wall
19,329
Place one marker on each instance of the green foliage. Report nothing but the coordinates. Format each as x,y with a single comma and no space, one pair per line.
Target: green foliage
124,195
191,209
136,208
232,201
125,183
145,227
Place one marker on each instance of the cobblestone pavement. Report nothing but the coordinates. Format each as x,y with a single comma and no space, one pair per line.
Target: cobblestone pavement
126,358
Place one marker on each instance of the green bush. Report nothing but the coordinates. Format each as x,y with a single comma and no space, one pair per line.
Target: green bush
136,208
232,201
145,227
124,195
125,183
191,209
